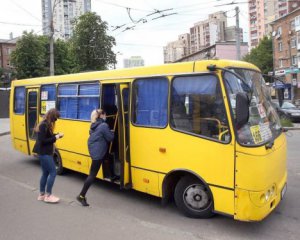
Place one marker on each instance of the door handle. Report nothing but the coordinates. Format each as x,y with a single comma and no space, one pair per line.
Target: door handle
162,150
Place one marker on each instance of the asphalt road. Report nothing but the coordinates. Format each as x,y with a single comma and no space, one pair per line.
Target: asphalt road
117,214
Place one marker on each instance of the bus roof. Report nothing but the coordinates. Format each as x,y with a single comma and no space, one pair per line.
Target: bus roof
131,73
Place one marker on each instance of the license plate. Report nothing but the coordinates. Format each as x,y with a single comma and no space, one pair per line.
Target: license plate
283,191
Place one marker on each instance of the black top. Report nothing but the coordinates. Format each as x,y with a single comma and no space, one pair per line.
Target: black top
45,140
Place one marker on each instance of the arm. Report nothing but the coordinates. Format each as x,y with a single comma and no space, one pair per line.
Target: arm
107,134
42,135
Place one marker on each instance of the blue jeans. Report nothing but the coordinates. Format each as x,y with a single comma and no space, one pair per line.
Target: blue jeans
48,173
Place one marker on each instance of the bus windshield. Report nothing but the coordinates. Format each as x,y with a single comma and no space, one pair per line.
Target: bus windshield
263,124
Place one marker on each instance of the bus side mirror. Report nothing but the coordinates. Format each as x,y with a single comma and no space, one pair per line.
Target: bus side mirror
242,109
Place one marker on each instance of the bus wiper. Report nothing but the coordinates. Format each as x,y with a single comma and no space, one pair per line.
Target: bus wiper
270,144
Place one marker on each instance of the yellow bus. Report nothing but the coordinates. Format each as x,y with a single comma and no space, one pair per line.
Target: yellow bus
202,133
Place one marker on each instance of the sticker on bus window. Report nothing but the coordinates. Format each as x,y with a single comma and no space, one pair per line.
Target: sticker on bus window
265,131
261,110
46,106
255,131
44,95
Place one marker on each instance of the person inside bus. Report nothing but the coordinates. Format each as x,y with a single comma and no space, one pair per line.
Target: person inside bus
100,136
44,148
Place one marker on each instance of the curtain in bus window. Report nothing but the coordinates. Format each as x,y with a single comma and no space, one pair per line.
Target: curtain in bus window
151,102
109,99
88,100
68,101
19,100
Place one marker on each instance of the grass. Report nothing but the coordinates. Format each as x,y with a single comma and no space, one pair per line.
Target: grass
286,122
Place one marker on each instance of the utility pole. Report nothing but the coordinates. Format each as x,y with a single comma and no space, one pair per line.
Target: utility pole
52,37
237,34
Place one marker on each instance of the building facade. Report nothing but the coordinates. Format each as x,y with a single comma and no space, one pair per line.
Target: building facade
64,12
177,49
208,32
6,49
220,50
286,53
202,35
134,61
262,13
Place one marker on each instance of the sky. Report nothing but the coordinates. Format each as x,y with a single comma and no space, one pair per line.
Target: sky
145,39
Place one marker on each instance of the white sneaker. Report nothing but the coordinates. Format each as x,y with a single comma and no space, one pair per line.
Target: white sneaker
51,199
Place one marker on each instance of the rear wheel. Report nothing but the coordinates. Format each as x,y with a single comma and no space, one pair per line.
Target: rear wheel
193,198
58,163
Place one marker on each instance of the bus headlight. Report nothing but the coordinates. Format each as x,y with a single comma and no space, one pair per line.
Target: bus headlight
263,197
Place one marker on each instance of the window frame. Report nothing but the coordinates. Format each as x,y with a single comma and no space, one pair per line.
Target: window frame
77,96
40,99
25,100
228,114
133,98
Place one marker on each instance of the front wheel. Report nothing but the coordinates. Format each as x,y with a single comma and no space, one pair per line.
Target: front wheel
58,163
193,198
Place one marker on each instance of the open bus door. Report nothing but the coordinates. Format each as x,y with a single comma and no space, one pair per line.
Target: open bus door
123,122
31,116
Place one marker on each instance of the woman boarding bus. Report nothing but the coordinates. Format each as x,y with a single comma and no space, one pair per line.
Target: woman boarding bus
204,133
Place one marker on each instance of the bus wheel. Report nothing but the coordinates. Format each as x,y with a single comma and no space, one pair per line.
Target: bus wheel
193,198
58,163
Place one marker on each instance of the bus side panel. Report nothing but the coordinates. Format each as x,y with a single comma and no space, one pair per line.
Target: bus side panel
73,146
145,181
17,127
223,200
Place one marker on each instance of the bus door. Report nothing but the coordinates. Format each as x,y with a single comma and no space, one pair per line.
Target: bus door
31,116
123,122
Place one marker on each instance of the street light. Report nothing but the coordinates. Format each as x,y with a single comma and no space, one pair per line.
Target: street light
52,9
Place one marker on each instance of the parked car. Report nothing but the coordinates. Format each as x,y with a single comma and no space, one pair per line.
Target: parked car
288,111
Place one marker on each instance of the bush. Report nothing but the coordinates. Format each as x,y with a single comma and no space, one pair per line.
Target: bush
286,122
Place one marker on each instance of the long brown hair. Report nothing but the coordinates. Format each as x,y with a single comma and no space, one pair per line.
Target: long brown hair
50,117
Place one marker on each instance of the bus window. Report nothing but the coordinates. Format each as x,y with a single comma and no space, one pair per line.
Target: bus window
197,107
150,102
77,101
48,97
19,100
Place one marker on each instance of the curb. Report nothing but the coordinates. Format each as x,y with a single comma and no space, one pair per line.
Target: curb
4,133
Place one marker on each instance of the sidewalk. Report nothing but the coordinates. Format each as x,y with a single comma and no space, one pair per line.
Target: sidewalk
4,126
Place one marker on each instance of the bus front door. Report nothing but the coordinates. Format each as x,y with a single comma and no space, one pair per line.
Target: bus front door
123,108
31,116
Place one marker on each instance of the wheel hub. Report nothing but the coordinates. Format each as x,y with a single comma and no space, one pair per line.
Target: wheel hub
196,197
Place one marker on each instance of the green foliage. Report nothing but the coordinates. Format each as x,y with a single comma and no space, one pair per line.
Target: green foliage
63,60
286,122
32,56
262,55
29,56
91,46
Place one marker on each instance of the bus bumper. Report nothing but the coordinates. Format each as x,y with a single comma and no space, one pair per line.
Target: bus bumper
255,206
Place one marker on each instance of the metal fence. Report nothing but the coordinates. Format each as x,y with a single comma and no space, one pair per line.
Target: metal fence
4,103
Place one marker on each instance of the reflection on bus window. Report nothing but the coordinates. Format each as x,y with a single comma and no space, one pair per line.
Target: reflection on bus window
197,107
19,100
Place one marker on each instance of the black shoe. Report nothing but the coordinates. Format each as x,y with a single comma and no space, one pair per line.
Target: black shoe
82,200
114,178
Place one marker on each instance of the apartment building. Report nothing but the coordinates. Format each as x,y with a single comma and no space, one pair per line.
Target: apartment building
134,61
262,13
208,32
177,49
64,12
202,35
286,52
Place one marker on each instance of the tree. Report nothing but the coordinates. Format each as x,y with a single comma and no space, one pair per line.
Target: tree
29,56
262,55
91,46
